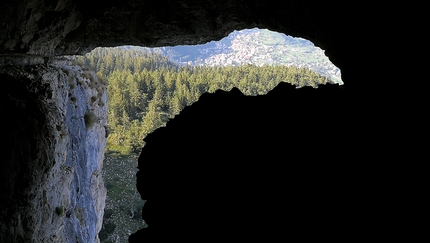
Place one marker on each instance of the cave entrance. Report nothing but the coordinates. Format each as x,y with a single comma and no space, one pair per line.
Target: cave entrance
149,86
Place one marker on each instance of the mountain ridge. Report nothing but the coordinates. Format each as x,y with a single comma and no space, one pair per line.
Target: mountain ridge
253,46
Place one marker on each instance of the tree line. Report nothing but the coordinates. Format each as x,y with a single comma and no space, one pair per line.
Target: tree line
145,89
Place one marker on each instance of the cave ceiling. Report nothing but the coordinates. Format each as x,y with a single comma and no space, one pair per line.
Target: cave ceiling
69,27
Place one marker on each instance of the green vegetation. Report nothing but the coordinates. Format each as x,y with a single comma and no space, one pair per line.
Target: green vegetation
122,215
59,211
270,38
145,89
90,119
254,46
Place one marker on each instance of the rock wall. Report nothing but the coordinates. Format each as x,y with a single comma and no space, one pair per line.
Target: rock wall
52,159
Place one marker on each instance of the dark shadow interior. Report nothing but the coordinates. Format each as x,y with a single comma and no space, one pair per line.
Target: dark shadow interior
302,164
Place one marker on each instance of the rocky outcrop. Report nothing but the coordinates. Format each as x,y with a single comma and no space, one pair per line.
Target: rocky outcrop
52,188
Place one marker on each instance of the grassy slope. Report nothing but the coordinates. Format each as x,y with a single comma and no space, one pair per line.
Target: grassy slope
122,198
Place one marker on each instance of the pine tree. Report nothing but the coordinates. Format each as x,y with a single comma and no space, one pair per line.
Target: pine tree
151,120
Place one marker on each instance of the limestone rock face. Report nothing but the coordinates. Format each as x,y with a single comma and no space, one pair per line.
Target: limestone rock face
54,189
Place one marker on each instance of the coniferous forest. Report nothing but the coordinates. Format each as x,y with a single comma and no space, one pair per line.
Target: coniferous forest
145,89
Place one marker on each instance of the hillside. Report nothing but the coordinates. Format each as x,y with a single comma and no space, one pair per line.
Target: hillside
254,46
147,87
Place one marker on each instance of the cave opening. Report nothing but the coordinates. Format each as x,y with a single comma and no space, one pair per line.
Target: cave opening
149,86
47,165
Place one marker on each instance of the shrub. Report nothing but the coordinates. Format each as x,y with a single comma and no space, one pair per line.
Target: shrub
90,119
59,210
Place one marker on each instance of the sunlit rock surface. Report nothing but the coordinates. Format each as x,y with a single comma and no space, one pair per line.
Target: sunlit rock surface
55,173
